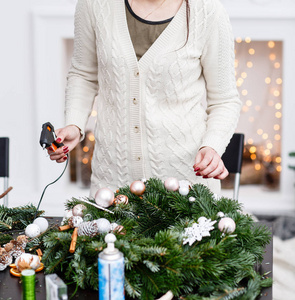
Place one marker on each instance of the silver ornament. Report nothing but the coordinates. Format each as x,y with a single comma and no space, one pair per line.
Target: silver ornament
227,225
220,214
32,230
42,223
137,187
78,210
183,190
104,197
171,184
103,225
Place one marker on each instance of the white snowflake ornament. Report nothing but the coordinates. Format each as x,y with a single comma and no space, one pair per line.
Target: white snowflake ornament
198,230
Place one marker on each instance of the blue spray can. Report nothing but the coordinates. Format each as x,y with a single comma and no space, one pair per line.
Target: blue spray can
111,271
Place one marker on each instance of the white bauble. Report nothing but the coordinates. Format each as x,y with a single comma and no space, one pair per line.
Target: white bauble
32,230
171,184
42,223
220,214
227,225
104,197
183,190
191,199
103,225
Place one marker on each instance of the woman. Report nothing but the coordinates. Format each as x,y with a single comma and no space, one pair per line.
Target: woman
150,63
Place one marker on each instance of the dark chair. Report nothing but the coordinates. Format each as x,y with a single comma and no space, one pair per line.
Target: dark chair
232,159
4,165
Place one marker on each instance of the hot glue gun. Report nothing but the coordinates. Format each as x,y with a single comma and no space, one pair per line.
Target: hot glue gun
48,137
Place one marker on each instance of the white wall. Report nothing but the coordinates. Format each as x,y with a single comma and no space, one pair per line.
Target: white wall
25,104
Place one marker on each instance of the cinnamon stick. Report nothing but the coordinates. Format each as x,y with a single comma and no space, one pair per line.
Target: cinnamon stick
64,227
74,240
6,192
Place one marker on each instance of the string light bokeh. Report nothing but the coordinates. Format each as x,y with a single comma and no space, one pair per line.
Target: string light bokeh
259,80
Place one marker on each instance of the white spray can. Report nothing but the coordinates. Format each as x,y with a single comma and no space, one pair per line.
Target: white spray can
111,271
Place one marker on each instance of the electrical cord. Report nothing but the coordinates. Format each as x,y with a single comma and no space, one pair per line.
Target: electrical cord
67,162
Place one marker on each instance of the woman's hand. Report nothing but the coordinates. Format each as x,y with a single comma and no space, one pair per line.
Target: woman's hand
70,136
209,164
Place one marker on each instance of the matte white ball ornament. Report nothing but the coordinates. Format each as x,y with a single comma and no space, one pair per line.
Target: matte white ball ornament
191,199
32,230
227,225
103,225
137,187
104,197
171,184
78,210
220,214
183,191
42,223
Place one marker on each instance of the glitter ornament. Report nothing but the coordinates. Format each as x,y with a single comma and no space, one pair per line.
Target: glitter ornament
103,225
78,210
42,223
137,187
171,184
121,199
75,221
104,197
32,230
227,225
183,190
220,214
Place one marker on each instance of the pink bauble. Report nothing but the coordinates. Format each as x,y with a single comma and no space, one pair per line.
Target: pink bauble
171,184
104,197
137,187
227,225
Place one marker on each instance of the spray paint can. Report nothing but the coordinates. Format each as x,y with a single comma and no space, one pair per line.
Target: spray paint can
111,271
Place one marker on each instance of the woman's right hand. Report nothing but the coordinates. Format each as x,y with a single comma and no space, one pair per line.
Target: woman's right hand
70,137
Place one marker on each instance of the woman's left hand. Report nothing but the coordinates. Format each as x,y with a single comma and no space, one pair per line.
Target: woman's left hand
209,164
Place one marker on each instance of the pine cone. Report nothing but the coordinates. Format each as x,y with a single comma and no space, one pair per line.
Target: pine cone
5,259
88,229
22,240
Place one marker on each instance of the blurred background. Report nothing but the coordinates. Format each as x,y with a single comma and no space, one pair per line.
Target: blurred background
36,47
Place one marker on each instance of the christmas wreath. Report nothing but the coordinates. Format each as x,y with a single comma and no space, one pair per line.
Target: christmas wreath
181,240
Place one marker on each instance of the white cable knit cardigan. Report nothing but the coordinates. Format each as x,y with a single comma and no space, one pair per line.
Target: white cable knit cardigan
151,121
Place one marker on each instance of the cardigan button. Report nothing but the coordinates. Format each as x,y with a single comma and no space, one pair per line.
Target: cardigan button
136,129
138,158
134,101
136,73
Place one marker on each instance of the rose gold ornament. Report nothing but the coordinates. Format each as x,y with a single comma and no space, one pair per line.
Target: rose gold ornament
121,199
171,184
104,197
137,187
227,225
78,210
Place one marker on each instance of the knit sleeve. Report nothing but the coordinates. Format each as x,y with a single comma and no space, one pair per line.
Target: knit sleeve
82,83
223,103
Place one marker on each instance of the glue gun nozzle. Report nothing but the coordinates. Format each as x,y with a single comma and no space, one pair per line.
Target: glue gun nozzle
44,146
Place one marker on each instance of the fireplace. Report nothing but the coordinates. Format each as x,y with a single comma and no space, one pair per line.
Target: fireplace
257,21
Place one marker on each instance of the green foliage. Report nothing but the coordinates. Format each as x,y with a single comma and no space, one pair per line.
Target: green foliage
217,267
17,217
